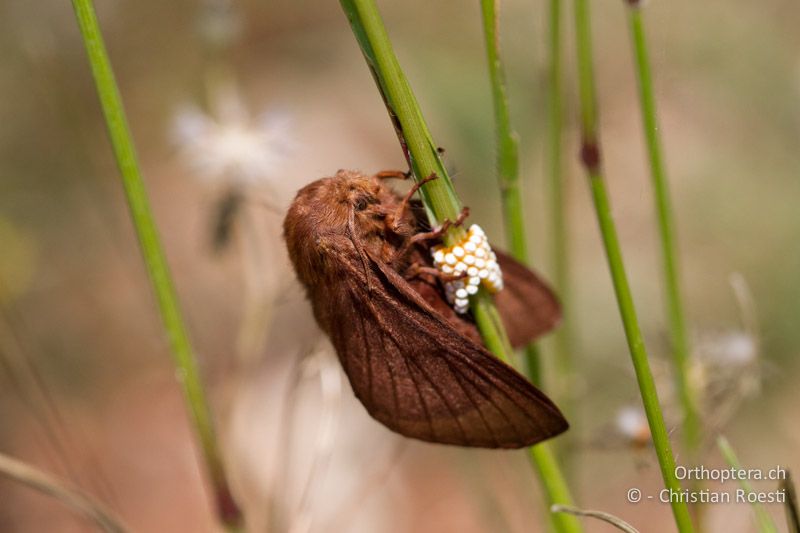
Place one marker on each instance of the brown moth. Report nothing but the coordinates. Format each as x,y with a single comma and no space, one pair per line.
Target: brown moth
363,255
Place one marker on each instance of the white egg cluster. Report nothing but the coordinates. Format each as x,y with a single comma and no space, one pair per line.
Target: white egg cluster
474,262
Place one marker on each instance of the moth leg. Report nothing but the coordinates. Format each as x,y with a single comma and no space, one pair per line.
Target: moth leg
462,216
394,219
433,234
441,230
416,269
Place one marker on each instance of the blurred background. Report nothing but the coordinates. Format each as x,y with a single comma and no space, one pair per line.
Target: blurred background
234,106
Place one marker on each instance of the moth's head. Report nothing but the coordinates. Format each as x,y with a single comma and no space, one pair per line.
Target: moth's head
357,193
349,195
347,191
329,204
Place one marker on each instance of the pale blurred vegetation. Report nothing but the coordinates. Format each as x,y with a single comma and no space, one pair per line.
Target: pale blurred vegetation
76,301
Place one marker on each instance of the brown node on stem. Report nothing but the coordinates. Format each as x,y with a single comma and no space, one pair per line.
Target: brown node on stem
590,155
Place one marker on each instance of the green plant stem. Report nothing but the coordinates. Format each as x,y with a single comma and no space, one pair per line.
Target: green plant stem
507,156
590,152
439,196
555,487
421,153
506,139
154,258
506,145
666,225
564,357
763,519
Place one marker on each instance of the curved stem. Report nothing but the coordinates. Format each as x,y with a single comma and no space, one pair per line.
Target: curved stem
38,480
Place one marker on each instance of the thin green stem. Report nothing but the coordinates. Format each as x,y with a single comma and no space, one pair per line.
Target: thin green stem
590,152
556,489
637,348
588,105
418,147
564,358
666,225
506,139
763,519
439,197
154,258
507,160
506,145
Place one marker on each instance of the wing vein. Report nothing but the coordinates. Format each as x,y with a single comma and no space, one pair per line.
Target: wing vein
388,331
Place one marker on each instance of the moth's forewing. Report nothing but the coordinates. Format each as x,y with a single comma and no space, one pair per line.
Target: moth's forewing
419,376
